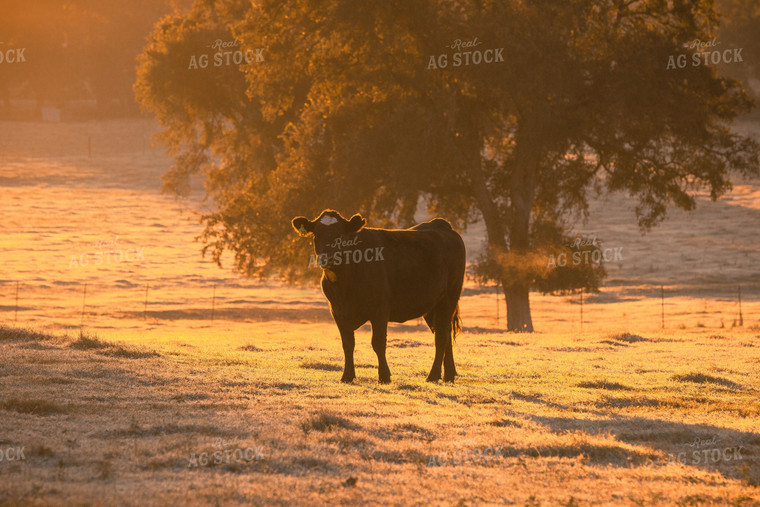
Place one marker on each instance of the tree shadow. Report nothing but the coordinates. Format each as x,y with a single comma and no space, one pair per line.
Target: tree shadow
733,454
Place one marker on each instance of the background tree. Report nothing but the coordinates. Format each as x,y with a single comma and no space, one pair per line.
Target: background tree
740,24
76,49
346,112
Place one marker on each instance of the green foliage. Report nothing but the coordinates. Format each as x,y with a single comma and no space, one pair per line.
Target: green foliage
344,113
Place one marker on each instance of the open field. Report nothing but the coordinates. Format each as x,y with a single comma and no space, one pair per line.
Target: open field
546,419
70,219
612,409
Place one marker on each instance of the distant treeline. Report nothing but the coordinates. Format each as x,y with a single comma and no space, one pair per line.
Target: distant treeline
74,57
79,56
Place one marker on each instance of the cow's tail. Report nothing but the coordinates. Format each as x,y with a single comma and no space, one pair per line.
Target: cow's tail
456,324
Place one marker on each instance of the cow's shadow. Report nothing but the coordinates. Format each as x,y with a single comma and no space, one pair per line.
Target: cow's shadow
732,453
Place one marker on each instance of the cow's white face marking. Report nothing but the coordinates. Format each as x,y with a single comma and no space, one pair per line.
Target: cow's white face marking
328,220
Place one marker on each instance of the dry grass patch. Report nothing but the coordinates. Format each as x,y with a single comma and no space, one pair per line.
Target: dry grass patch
624,339
612,402
319,365
397,457
86,342
613,343
281,386
142,420
412,431
18,334
34,406
505,423
189,397
41,451
347,441
701,378
55,381
38,346
590,452
135,430
124,353
408,387
629,338
603,384
325,421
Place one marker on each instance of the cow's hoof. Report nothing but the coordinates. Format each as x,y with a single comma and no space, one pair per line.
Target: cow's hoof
347,379
433,378
449,378
385,380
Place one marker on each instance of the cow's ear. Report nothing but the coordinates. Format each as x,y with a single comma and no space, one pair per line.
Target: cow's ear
356,223
303,226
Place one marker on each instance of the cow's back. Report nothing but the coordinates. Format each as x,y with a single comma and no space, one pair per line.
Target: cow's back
418,268
436,274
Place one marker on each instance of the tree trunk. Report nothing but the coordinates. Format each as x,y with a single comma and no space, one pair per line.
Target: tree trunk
522,194
526,161
519,319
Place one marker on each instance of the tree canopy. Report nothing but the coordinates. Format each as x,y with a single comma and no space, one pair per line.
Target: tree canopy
380,107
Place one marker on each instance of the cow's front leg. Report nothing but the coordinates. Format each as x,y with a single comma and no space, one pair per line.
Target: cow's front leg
347,337
379,336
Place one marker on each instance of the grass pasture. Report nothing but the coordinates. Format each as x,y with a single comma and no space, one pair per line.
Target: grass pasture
546,419
192,385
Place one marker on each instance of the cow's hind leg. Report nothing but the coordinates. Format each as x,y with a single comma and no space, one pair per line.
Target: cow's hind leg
347,337
379,338
440,345
444,353
449,369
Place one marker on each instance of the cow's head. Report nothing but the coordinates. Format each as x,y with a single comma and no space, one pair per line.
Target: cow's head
329,229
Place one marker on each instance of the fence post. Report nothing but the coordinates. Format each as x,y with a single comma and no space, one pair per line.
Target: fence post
145,308
15,315
497,305
741,317
84,301
213,303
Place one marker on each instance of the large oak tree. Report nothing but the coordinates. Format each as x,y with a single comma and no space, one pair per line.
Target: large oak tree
347,110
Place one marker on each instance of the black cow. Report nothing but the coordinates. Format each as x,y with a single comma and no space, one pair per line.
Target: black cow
381,275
